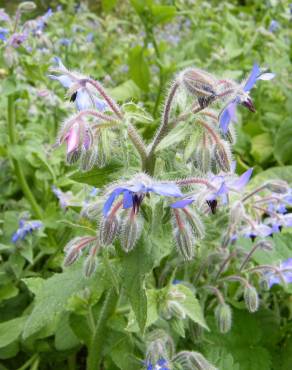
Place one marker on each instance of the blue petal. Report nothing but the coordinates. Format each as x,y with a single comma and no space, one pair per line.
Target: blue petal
109,202
243,180
266,76
167,189
225,120
83,100
64,80
100,104
128,200
181,203
252,78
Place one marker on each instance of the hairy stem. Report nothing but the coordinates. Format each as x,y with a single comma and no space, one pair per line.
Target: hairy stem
96,345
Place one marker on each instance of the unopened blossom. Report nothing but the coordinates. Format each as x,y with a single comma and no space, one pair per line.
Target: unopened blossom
285,269
134,191
25,228
242,97
218,187
83,96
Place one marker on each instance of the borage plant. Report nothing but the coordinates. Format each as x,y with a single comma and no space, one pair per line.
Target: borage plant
177,227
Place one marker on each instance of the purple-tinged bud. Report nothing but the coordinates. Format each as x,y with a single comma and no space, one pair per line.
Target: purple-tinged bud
222,156
71,256
277,186
251,298
72,157
249,104
185,242
130,231
27,6
223,315
201,84
73,249
109,228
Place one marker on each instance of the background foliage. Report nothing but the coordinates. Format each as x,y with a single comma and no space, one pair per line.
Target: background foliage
48,315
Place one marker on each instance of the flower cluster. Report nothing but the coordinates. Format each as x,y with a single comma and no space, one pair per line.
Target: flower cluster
25,228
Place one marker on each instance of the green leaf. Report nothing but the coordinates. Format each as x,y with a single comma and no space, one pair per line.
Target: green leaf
282,173
136,113
162,13
11,330
125,91
262,147
65,338
8,291
52,298
283,142
192,306
178,134
108,5
139,70
98,177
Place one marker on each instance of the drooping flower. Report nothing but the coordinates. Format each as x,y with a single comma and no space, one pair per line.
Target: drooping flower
285,270
25,228
17,39
135,190
83,96
242,97
161,364
218,187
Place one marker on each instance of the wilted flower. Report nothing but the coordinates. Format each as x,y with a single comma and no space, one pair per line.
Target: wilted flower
25,227
242,97
83,96
135,190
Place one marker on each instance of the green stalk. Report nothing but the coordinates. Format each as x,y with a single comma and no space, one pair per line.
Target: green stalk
96,345
17,167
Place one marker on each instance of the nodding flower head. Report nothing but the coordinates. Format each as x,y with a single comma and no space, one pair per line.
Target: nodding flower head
83,95
25,227
215,188
161,364
135,190
283,273
242,97
79,139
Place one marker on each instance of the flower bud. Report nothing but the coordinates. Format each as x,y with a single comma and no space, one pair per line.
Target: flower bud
265,245
278,186
195,223
199,362
200,84
251,298
27,6
88,159
203,155
109,227
176,310
236,213
185,242
90,265
130,232
223,315
71,256
222,156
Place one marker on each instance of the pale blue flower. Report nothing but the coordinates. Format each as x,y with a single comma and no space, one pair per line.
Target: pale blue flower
25,227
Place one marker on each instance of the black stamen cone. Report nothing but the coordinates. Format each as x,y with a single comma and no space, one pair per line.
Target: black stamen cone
213,205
